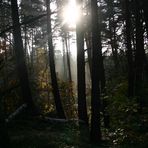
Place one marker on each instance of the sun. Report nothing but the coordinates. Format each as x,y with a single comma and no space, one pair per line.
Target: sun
71,14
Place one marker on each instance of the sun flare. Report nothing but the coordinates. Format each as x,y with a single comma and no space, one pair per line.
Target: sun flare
71,14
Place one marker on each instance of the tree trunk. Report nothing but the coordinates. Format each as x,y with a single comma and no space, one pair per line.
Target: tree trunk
144,5
95,100
140,53
82,109
129,51
68,57
21,65
64,61
112,31
54,82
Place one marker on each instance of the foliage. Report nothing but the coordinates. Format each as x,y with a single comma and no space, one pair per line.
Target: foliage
68,98
128,125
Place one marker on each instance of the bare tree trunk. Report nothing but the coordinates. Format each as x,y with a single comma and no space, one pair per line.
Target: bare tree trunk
54,82
21,65
129,51
140,53
64,61
112,31
113,46
145,12
82,109
32,50
68,58
95,100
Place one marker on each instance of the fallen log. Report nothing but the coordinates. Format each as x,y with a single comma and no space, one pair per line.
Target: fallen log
57,120
15,113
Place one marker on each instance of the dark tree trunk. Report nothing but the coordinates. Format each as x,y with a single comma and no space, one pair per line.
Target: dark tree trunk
21,65
95,100
25,38
82,109
140,53
70,88
54,82
112,32
32,50
144,5
102,70
64,61
102,78
129,51
114,45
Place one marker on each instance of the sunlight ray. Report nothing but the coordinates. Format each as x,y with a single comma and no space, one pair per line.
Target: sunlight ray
71,14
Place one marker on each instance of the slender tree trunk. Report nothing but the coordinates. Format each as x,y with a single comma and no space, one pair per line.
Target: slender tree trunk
82,109
32,50
21,65
25,38
68,58
129,51
145,12
54,82
114,45
144,6
102,78
64,61
95,100
140,53
102,70
112,32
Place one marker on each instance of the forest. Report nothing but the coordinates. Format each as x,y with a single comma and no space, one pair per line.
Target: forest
73,73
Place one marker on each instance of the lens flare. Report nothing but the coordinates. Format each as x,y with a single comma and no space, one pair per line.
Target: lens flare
71,14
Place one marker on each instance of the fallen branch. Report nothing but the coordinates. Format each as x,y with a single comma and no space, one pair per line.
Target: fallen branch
57,120
16,112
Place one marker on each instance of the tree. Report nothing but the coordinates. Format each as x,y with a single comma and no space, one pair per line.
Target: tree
112,32
139,53
129,50
21,65
54,82
95,77
66,38
82,110
144,6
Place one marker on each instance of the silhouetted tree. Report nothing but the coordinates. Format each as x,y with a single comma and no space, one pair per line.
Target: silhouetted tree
20,60
96,64
54,82
82,110
129,50
139,53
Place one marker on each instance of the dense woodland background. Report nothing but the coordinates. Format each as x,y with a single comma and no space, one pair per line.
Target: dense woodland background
73,85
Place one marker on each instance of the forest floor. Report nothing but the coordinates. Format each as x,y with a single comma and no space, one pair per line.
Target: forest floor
37,133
